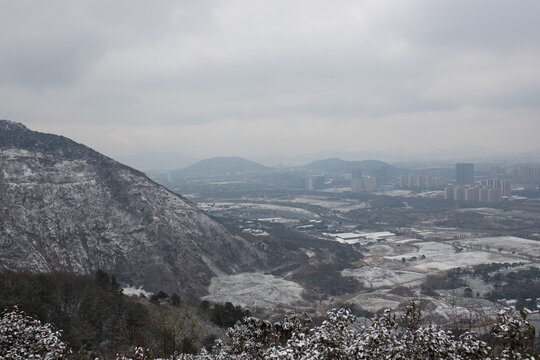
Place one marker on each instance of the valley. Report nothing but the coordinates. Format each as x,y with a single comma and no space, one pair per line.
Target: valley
452,257
230,237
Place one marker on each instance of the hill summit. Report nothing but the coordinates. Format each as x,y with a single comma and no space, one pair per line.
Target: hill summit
223,165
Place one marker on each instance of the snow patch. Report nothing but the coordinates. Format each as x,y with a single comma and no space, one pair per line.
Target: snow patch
255,290
133,291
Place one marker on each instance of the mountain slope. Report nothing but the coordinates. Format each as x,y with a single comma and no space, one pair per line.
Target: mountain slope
222,165
66,207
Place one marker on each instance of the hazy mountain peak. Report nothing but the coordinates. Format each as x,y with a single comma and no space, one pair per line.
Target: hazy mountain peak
222,165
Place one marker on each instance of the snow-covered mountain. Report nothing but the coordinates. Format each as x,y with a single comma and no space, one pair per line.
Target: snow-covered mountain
64,206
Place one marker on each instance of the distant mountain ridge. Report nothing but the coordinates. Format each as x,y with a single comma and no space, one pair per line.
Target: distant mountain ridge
64,206
155,161
222,165
337,165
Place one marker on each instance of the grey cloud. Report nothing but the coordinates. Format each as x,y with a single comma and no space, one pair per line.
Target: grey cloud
40,47
57,42
47,62
493,25
193,65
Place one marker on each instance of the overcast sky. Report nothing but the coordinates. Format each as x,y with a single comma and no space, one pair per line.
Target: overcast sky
213,78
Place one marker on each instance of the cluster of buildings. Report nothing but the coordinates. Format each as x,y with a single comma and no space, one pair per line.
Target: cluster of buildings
465,187
361,183
489,190
504,186
421,181
526,174
492,190
314,182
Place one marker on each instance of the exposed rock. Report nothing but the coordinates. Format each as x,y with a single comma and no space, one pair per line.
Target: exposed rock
64,206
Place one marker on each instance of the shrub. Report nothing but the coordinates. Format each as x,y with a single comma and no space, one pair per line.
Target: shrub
22,337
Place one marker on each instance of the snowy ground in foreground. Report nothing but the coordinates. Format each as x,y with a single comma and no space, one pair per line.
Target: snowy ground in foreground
382,270
256,290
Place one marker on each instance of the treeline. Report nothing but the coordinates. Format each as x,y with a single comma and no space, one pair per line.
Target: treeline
92,314
97,320
522,285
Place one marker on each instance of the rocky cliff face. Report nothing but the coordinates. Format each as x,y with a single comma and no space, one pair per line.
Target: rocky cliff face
66,207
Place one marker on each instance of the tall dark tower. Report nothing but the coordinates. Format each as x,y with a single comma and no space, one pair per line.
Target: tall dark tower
464,174
357,173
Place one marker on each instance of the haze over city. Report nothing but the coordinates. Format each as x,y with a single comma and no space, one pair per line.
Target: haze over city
234,179
251,78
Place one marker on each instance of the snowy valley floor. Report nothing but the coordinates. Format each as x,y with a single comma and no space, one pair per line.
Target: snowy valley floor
392,273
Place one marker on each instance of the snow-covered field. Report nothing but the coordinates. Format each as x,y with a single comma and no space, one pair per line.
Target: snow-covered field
382,270
374,277
386,271
378,300
336,205
442,309
256,290
507,244
442,233
441,256
382,249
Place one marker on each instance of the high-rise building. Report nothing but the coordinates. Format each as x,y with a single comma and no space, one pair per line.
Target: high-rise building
506,188
471,193
464,173
363,184
459,193
370,183
357,173
381,175
403,181
431,182
449,193
413,180
313,182
525,174
421,181
483,194
494,195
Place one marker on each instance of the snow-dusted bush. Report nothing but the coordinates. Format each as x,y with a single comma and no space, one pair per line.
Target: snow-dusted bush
386,338
22,337
513,336
338,338
253,337
139,353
